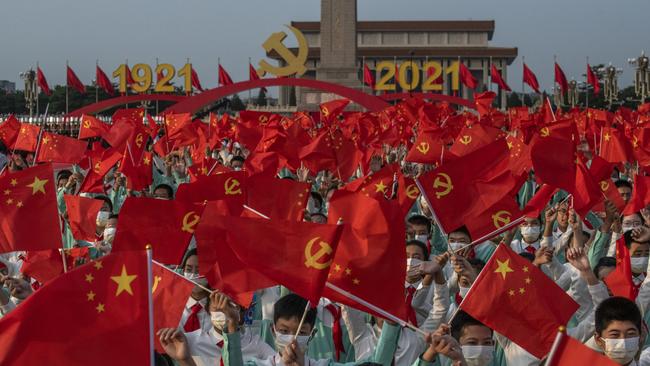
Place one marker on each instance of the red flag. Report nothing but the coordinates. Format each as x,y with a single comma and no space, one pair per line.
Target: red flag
42,82
139,176
536,205
230,187
568,351
90,126
615,148
554,161
560,79
496,78
196,83
82,216
29,219
142,223
224,78
94,180
74,82
170,293
27,138
640,195
592,79
129,76
287,202
368,77
330,110
295,254
531,79
428,147
471,138
252,75
515,298
103,81
620,281
43,265
60,149
106,302
466,76
484,102
9,130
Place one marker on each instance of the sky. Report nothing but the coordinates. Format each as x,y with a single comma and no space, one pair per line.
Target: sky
83,31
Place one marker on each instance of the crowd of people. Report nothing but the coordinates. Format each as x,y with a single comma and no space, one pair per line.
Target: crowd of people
279,327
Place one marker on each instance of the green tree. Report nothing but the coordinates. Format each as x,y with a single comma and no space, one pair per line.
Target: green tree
236,104
261,97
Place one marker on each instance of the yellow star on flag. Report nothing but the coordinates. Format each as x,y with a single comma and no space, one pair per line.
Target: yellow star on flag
89,278
98,265
90,296
381,187
100,308
607,137
38,185
14,182
124,282
503,268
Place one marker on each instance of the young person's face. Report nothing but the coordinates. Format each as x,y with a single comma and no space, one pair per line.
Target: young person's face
289,326
620,341
626,193
415,252
476,335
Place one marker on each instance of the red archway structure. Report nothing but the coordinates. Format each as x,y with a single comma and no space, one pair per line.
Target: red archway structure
114,102
195,103
431,96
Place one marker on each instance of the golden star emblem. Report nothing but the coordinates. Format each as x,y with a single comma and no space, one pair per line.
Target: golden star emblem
147,161
503,268
124,282
356,281
525,269
381,187
7,192
38,185
348,271
607,137
100,308
511,292
90,296
89,278
98,265
10,201
45,140
522,290
19,204
337,268
528,280
14,182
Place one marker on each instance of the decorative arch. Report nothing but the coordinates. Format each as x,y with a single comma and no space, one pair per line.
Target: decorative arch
431,96
196,102
127,99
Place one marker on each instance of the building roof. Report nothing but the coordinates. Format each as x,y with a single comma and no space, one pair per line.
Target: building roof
411,25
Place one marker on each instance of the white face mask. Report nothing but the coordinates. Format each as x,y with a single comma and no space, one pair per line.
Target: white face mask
412,262
102,217
283,340
478,355
530,233
456,245
109,234
422,238
191,275
218,319
462,291
626,228
639,264
622,350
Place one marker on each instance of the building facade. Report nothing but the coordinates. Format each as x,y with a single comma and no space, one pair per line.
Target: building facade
7,86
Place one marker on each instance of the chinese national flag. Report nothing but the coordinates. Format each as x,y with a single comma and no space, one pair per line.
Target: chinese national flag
570,352
282,199
378,185
60,149
330,110
640,195
82,216
73,319
42,265
92,127
619,281
428,147
519,155
368,77
94,180
103,81
484,101
27,138
224,77
170,293
369,253
531,79
516,299
42,82
176,123
9,130
592,79
196,83
496,78
140,175
28,210
297,255
536,205
616,148
74,82
318,154
167,225
466,76
560,78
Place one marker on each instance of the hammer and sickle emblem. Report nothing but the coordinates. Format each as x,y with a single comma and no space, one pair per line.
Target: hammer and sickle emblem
189,222
604,185
544,132
442,181
315,260
156,280
635,141
412,191
295,63
465,140
263,119
97,168
232,187
86,124
325,111
423,147
138,140
501,219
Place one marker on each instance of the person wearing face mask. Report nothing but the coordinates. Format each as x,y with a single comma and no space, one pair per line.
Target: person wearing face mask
624,187
418,227
474,338
163,192
237,163
287,314
195,315
618,330
105,245
417,289
530,236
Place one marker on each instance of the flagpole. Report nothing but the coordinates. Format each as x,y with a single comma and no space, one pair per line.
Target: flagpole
150,301
96,82
556,344
433,214
249,90
127,69
66,86
363,72
523,63
154,89
38,90
38,145
587,85
302,320
490,78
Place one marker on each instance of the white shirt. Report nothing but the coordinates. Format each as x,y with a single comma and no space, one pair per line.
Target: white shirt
205,348
204,315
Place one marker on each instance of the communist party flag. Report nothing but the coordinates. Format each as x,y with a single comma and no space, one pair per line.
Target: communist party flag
428,147
560,78
368,77
42,82
493,219
592,79
103,81
287,201
568,351
230,188
82,216
297,255
73,319
9,130
531,79
330,110
27,138
620,281
28,210
73,81
224,77
496,78
167,225
94,180
92,127
515,298
466,76
60,149
484,101
368,254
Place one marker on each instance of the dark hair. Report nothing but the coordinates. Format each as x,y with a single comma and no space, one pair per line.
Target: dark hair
617,309
421,245
166,187
236,158
188,254
293,306
113,216
107,200
63,174
623,183
476,262
463,230
604,262
529,256
317,197
420,220
462,320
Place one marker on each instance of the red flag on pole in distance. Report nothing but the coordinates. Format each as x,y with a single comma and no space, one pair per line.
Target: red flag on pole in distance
368,77
466,76
196,83
496,78
560,78
224,77
42,82
592,79
531,79
252,75
103,81
74,82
